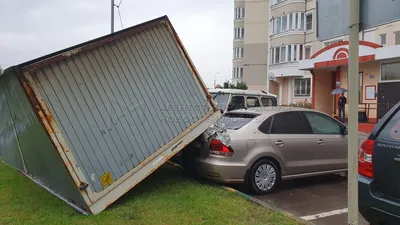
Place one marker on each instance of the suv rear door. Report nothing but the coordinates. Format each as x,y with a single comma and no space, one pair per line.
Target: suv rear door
386,157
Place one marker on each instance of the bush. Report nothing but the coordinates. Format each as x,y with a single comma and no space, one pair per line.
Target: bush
304,104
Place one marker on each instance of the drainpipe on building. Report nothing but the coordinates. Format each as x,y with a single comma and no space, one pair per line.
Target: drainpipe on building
353,145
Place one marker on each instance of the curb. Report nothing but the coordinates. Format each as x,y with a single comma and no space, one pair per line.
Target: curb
257,201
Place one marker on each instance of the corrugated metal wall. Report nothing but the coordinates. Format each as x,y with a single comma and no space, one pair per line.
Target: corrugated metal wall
30,141
118,104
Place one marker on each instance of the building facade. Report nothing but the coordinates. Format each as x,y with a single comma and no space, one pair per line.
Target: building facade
250,43
286,54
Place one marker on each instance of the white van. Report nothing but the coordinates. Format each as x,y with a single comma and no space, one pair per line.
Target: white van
231,99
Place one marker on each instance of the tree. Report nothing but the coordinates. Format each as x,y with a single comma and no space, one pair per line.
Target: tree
239,85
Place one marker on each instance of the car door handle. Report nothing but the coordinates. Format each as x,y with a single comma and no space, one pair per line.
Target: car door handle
320,142
280,143
397,159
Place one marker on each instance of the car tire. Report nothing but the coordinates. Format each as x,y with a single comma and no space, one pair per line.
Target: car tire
264,177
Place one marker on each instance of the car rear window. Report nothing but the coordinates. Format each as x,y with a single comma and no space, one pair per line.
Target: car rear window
391,132
235,121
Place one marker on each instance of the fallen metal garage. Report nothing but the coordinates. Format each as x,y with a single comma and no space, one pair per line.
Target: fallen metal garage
90,122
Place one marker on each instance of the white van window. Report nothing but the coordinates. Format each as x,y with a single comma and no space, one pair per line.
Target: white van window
237,102
267,101
252,102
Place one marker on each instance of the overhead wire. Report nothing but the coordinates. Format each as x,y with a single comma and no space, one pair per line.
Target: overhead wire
119,14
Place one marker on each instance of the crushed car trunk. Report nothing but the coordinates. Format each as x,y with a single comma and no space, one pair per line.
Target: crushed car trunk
90,122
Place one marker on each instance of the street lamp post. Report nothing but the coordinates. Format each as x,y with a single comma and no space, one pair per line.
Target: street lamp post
266,65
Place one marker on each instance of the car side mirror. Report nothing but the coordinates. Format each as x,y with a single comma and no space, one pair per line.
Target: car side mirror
222,111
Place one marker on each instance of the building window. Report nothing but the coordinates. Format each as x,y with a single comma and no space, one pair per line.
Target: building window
238,53
302,21
284,23
239,33
302,87
382,37
277,55
239,13
286,53
301,52
283,54
397,38
238,72
307,52
391,72
309,22
278,25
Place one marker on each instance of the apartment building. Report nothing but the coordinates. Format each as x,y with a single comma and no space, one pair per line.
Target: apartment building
270,37
250,43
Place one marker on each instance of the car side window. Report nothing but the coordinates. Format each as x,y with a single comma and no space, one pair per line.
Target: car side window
265,126
267,101
391,132
237,102
289,123
321,124
252,102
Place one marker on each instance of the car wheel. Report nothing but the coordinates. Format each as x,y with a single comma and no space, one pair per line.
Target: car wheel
264,177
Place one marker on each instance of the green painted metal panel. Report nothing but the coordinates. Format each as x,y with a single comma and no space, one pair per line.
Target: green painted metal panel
9,149
42,160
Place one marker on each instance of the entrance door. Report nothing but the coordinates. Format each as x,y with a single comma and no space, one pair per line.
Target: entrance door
388,93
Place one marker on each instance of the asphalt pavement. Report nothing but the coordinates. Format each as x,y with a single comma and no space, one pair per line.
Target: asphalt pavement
320,200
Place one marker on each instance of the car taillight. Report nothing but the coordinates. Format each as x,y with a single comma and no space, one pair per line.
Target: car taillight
365,158
217,148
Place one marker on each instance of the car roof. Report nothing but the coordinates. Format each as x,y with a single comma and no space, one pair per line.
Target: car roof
240,92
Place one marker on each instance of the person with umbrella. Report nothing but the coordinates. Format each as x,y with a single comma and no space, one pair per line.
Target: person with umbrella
341,103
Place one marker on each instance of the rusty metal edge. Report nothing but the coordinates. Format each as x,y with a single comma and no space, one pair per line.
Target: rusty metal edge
116,190
189,62
38,63
52,130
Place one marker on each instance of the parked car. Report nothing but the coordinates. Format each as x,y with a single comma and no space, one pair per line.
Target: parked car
233,99
379,168
274,143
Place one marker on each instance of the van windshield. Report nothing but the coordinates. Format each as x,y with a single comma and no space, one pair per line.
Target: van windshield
221,100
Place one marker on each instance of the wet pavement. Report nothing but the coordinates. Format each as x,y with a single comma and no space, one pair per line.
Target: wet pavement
323,196
320,200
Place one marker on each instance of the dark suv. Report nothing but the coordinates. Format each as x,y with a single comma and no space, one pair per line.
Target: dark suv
379,172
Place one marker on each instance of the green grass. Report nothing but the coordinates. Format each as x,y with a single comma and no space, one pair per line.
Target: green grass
166,197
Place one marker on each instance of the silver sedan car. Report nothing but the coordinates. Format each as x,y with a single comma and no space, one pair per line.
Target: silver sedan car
274,143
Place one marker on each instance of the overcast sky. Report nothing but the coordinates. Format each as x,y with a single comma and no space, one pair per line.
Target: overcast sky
30,29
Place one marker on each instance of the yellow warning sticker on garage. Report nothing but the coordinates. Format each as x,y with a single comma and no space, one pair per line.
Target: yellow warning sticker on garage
106,179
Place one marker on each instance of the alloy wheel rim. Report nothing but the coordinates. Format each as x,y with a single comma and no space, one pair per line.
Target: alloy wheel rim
265,177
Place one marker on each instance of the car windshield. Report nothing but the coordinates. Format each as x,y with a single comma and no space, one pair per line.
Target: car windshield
235,121
221,100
